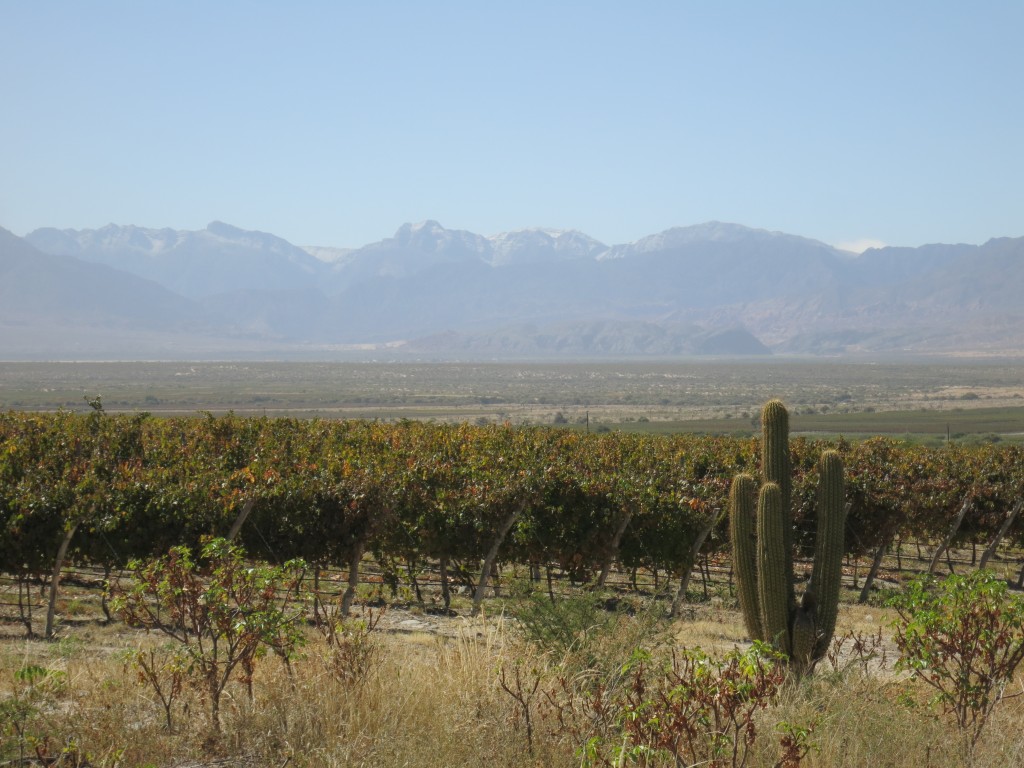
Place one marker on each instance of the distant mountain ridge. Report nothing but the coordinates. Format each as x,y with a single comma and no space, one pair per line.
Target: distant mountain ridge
218,259
713,288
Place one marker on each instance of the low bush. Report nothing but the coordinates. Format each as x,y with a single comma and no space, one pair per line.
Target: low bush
964,637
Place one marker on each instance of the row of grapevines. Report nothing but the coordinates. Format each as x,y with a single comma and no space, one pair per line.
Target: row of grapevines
118,487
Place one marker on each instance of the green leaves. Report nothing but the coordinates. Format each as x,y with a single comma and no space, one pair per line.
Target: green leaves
327,491
223,614
696,710
964,637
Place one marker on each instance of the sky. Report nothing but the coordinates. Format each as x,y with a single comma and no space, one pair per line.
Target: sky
333,123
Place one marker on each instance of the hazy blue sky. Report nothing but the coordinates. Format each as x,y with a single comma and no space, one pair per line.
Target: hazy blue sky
333,123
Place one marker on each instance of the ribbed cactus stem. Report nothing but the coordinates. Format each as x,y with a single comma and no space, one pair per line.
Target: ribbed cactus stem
743,533
775,463
774,579
776,467
828,550
803,632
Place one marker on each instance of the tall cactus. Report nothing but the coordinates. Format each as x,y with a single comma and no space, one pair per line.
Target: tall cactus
761,527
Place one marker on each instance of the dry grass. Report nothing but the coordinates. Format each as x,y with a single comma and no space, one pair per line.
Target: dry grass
420,700
425,700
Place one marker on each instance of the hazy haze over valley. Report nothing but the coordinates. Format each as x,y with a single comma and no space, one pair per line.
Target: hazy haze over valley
431,292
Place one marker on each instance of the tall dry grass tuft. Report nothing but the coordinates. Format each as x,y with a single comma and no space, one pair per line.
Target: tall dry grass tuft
860,720
426,701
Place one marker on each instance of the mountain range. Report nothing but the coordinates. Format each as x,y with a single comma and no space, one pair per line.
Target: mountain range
127,292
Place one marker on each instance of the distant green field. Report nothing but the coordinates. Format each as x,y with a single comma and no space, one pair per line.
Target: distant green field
975,424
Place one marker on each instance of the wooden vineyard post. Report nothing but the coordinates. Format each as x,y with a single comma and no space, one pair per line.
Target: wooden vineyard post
952,532
876,563
242,516
492,555
991,549
677,604
55,581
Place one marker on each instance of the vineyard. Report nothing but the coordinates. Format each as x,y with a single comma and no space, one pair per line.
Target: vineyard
456,504
162,557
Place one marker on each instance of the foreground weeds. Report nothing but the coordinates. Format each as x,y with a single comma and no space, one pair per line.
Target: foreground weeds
614,688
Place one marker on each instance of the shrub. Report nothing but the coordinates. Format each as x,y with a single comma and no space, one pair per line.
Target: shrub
697,710
32,688
964,637
559,626
222,620
586,636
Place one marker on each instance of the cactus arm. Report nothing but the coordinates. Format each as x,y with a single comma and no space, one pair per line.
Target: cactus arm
743,532
773,578
775,459
776,467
